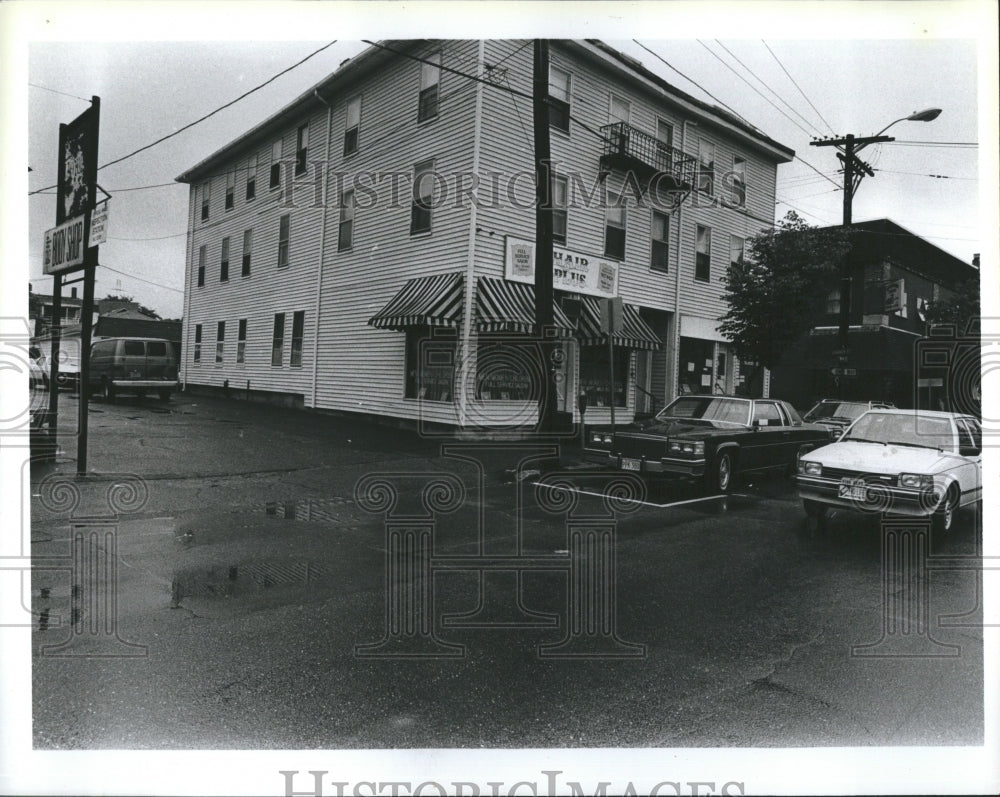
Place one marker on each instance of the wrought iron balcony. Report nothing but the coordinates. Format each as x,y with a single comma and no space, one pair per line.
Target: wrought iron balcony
630,149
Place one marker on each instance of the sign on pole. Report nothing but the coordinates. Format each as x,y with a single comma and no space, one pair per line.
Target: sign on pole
611,315
64,247
99,224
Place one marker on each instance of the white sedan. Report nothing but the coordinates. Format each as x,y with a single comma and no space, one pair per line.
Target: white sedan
907,462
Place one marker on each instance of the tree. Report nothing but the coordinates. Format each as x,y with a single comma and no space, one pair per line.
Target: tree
960,309
773,292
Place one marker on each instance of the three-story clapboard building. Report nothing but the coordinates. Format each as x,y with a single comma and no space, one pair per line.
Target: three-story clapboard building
370,247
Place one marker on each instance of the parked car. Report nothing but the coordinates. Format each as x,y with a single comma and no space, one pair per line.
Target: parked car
134,365
839,414
38,393
907,462
712,438
68,372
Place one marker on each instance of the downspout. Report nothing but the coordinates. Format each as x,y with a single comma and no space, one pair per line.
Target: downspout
322,245
187,286
675,343
470,264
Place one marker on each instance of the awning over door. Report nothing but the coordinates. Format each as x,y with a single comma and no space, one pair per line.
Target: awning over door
503,306
635,333
424,301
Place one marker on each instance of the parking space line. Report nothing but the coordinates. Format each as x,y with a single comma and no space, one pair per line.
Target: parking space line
642,503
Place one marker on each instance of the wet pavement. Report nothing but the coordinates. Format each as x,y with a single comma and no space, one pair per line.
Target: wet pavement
262,599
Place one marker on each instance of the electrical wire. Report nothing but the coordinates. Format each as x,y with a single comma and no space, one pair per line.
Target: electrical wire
141,279
822,118
55,91
206,116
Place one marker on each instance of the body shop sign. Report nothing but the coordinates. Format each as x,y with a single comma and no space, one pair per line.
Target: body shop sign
571,271
64,246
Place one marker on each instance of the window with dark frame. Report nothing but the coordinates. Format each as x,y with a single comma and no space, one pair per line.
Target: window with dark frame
276,154
241,341
206,195
659,235
559,98
224,261
560,201
352,126
706,167
614,228
736,251
621,110
298,326
703,254
430,79
423,197
230,188
197,343
202,259
739,182
664,146
278,340
301,148
284,239
247,252
252,177
345,235
220,341
595,379
430,365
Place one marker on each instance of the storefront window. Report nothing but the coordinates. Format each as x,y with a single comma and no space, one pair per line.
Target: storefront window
430,364
595,377
506,371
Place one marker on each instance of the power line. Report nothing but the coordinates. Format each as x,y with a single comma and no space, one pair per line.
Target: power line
766,99
206,116
936,143
798,87
54,91
921,174
142,279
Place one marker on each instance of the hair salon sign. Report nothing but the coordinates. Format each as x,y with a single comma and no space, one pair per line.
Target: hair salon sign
571,271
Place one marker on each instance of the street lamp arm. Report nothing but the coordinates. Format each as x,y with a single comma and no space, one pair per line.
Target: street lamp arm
926,115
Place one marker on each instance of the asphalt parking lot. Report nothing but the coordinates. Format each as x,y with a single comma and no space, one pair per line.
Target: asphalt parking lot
273,565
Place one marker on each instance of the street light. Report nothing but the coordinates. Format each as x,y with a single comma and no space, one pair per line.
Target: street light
854,170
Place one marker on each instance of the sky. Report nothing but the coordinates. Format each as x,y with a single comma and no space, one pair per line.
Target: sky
791,87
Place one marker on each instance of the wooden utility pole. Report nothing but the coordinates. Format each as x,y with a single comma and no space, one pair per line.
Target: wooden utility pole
544,314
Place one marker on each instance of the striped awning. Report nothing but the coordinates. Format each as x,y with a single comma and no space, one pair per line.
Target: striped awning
424,301
503,306
635,333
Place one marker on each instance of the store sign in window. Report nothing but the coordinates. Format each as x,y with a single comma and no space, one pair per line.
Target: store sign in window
507,371
572,271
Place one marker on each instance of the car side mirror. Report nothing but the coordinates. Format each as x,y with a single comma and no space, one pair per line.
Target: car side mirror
968,451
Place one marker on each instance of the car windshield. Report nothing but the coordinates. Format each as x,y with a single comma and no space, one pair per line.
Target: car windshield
837,409
906,429
708,408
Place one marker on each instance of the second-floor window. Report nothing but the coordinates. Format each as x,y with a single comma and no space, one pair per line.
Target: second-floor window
659,234
423,197
230,189
345,238
206,195
276,155
706,167
353,126
224,261
560,191
247,252
252,177
614,228
738,181
284,239
202,258
664,144
301,148
736,251
430,79
833,302
703,254
559,94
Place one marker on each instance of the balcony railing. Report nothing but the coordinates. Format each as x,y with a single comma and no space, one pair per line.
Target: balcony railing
628,148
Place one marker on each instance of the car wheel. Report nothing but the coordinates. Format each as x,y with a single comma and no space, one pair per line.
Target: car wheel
107,391
814,509
719,476
944,518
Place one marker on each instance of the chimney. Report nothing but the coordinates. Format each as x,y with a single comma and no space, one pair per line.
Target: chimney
975,260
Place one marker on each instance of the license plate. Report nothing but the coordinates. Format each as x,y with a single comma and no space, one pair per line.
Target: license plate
853,489
134,374
631,464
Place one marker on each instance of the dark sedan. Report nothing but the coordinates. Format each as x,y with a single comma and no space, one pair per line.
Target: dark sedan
712,438
838,414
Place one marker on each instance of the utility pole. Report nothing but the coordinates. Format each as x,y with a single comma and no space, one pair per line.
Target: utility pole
544,314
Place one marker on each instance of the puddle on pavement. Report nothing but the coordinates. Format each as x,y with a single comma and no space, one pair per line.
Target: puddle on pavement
230,580
320,510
